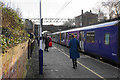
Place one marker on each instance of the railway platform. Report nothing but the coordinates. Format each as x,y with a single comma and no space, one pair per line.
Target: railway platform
58,65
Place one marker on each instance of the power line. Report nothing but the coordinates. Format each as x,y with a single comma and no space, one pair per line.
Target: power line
63,7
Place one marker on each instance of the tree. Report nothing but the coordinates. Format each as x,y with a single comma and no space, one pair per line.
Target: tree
19,12
99,9
69,23
13,30
112,7
1,5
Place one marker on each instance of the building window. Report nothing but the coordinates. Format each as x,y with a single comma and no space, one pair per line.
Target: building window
90,37
107,37
80,24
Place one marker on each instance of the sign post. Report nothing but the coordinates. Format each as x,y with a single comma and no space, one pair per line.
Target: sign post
40,47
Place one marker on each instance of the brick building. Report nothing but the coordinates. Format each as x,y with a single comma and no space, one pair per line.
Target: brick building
86,19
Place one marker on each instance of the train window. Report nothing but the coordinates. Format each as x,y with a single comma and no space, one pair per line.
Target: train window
107,36
62,36
75,35
80,37
90,37
70,36
66,36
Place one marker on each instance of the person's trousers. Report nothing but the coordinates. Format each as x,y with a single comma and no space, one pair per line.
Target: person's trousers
46,47
74,63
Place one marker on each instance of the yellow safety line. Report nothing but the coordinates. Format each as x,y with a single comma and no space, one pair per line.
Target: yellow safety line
83,66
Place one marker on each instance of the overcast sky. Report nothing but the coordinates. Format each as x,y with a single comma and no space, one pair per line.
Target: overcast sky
52,8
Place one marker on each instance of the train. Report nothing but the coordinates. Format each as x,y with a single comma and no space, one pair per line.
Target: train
101,40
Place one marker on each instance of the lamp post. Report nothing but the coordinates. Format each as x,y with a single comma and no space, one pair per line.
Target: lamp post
40,47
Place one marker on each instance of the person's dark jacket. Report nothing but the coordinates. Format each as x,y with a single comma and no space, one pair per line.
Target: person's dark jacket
47,41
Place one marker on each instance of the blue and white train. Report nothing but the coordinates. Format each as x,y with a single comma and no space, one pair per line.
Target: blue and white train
102,40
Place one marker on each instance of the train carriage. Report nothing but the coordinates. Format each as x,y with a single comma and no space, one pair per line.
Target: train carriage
101,40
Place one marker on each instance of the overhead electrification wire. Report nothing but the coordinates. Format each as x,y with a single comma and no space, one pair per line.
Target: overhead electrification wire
63,7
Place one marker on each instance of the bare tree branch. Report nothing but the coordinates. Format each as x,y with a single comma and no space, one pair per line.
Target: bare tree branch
113,7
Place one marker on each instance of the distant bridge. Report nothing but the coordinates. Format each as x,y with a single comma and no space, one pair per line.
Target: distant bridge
52,21
49,24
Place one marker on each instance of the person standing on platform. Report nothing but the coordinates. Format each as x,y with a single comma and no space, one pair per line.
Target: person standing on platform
37,38
50,39
46,43
73,51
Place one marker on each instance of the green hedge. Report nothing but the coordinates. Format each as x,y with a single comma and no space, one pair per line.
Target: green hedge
13,28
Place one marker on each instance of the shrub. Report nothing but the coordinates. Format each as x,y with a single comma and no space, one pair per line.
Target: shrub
13,29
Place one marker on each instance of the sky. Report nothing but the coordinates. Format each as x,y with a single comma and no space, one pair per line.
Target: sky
52,8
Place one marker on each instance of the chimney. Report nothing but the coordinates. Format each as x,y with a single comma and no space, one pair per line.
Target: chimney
81,11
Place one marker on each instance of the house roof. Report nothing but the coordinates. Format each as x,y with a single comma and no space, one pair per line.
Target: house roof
86,13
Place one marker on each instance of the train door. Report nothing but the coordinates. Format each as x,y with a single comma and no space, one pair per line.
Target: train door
67,35
60,37
69,38
82,40
119,42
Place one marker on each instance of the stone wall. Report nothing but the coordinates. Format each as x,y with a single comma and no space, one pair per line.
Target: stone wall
13,62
